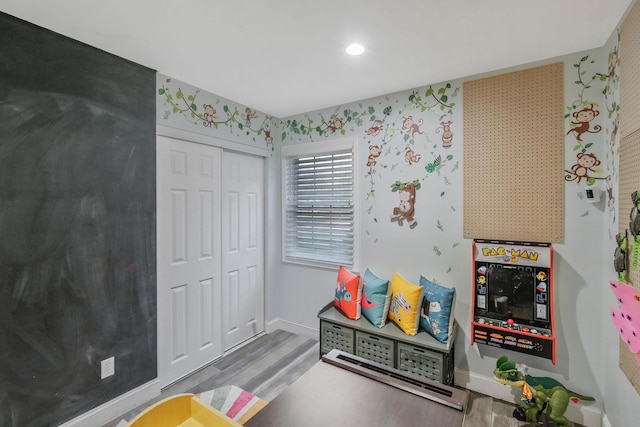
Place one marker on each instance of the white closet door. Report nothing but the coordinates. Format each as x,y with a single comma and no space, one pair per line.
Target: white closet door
242,247
189,261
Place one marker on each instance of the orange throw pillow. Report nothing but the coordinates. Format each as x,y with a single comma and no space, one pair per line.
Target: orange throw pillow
348,293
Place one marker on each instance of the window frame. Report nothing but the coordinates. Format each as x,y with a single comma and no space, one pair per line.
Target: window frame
318,149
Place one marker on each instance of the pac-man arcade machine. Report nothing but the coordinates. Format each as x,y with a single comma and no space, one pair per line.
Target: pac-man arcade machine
513,297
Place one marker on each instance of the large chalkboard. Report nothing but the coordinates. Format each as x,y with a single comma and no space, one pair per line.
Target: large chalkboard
77,225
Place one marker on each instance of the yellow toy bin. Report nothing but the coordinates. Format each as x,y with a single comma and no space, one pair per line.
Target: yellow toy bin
182,410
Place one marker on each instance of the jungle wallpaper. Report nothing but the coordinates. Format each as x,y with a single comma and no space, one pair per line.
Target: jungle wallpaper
411,150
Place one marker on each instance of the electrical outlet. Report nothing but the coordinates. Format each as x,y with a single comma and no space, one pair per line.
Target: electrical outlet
107,367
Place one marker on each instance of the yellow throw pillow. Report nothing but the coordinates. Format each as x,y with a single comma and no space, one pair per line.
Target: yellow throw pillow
404,309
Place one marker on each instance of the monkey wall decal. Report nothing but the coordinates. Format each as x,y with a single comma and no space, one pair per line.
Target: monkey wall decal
410,156
406,208
408,125
585,164
333,126
374,153
447,135
209,115
375,128
267,136
582,123
248,115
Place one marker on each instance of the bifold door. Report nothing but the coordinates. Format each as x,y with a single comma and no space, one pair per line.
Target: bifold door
210,225
243,247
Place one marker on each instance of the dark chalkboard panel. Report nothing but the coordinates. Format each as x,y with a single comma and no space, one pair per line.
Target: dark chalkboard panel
77,225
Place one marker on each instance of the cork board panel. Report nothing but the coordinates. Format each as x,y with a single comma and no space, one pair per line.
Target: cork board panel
514,156
629,76
629,182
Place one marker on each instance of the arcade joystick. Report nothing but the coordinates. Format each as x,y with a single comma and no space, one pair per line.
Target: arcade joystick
510,322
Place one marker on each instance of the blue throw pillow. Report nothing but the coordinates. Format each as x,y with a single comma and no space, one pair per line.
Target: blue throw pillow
376,294
438,306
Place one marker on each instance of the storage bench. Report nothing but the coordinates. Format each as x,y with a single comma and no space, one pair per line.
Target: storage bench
421,354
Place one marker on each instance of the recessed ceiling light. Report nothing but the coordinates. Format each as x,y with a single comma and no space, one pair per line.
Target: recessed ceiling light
355,49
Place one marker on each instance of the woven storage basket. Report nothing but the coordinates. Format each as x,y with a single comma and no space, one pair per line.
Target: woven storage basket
374,348
336,336
420,361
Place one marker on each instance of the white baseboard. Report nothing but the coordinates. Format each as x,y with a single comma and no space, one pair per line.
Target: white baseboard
295,328
578,413
117,407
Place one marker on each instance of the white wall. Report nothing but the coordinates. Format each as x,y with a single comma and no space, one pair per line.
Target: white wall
586,344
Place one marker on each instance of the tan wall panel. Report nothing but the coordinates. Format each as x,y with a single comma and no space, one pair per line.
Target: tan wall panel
629,76
514,156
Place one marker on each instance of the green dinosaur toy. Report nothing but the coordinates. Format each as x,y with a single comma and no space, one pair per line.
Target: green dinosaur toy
539,394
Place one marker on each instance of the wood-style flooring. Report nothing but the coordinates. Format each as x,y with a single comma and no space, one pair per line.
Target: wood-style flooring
268,364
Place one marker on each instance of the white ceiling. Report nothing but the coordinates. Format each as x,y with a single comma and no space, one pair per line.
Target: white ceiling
285,57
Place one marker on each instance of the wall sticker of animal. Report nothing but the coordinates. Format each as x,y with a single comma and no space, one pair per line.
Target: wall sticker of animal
409,125
447,135
410,156
209,115
582,123
585,164
248,115
334,125
406,208
375,128
374,153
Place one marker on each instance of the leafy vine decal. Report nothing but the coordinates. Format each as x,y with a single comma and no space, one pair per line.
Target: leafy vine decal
186,105
439,100
437,163
409,126
398,132
581,115
611,79
378,125
335,124
582,111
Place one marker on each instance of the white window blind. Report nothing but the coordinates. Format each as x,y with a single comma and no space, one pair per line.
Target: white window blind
319,203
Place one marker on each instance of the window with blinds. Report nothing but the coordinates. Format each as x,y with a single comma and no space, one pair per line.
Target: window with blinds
319,204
